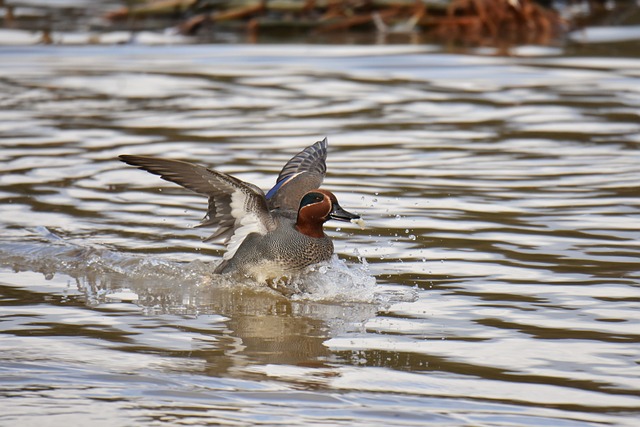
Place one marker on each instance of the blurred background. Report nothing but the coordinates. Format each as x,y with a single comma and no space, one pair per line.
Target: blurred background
490,145
455,24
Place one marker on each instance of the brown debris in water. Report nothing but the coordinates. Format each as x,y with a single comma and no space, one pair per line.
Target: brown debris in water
476,22
493,21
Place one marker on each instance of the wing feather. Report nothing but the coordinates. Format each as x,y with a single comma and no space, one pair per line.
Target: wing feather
236,207
302,173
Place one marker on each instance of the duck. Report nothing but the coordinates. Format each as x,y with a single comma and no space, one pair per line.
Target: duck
268,237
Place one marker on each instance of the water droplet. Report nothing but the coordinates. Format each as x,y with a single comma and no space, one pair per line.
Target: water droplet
412,237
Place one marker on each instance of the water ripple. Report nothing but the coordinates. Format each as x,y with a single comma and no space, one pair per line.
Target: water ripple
501,201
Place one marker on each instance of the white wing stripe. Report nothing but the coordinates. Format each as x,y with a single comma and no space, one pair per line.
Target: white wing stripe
246,223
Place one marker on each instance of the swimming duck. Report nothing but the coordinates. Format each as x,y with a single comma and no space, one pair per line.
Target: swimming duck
267,236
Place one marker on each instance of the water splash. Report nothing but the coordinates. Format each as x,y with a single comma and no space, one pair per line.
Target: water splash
336,281
104,275
54,255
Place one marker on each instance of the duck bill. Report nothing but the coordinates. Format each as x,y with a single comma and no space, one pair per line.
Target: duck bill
341,215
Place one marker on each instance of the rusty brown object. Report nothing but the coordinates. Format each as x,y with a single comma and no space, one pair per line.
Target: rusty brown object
191,25
494,21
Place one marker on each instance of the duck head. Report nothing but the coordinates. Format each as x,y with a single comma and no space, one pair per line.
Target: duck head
318,207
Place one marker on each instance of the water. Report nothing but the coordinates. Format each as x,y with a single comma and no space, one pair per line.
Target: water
495,285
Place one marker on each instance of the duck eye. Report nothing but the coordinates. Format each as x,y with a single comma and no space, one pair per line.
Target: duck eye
311,198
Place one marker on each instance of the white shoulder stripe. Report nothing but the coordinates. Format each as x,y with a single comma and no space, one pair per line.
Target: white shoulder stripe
247,222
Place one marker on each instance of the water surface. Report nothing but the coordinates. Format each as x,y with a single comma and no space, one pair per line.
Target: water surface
496,283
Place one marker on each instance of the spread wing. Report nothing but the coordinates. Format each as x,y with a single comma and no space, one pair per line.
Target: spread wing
236,207
303,173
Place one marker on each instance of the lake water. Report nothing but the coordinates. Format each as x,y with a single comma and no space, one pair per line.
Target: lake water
496,283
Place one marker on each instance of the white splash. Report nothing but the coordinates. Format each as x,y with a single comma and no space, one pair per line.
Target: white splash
335,281
359,222
112,273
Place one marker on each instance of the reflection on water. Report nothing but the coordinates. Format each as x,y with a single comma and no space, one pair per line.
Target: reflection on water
496,283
